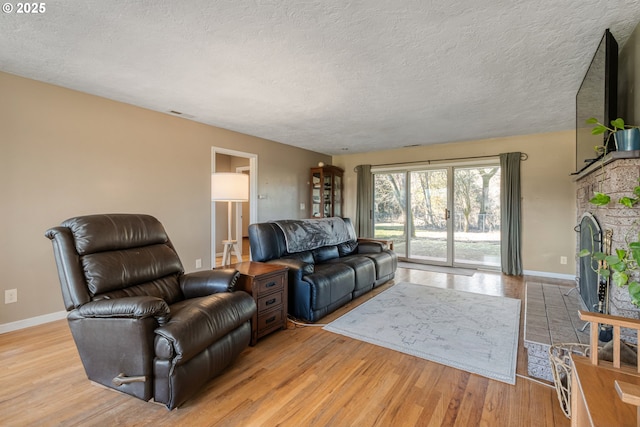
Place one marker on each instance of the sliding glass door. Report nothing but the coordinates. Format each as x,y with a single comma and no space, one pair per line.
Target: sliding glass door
442,215
390,209
476,228
429,228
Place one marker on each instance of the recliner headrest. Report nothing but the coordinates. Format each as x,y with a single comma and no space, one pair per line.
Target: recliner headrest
108,232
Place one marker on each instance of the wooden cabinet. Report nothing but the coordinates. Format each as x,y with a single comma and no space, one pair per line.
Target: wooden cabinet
326,191
267,283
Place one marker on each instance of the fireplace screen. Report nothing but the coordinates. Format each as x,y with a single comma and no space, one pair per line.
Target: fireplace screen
590,239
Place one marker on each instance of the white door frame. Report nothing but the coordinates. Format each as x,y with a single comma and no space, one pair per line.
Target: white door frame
253,192
239,230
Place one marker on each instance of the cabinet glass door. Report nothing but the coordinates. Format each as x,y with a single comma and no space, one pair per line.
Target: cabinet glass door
326,196
337,195
316,195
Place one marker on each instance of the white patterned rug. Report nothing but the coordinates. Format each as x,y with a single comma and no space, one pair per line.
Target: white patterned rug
473,332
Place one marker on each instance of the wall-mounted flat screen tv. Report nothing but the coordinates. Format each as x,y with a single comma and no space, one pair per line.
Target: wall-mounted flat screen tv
597,97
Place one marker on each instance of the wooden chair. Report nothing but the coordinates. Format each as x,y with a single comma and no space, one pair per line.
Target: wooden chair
605,393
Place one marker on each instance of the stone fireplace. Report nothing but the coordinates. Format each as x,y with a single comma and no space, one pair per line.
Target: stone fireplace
551,311
616,177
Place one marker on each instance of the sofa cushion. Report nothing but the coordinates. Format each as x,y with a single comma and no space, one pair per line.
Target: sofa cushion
364,269
348,247
326,253
329,283
386,264
306,257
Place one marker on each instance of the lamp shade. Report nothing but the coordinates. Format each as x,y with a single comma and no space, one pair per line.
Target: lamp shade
229,187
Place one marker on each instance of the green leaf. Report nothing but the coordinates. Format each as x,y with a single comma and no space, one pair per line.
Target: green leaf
635,251
621,254
612,259
617,123
619,266
604,272
619,278
598,130
591,121
600,199
584,252
628,202
634,292
599,256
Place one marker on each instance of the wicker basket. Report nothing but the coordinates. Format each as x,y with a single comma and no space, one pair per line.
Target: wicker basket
560,358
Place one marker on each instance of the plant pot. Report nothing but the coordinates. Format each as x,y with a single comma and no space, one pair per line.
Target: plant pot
627,139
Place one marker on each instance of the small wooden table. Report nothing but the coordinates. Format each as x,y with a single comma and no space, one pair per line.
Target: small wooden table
268,284
594,401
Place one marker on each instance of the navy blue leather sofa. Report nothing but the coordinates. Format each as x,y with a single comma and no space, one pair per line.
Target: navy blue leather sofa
328,265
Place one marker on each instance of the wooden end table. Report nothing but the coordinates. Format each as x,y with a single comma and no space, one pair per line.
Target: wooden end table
268,284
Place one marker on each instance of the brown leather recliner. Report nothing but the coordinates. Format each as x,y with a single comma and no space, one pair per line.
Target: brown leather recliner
141,325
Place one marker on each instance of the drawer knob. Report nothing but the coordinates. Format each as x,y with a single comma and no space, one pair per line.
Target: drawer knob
271,301
270,284
270,319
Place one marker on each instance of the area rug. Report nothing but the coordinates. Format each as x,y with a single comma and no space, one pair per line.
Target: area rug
437,268
473,332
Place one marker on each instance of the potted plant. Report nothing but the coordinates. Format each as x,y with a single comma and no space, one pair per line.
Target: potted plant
623,266
626,137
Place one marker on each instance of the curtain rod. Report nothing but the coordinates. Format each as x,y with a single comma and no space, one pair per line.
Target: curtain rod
523,157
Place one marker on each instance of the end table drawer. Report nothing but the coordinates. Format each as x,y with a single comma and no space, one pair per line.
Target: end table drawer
272,319
272,283
269,302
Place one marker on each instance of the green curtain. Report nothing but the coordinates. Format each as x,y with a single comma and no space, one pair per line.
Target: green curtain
510,211
364,203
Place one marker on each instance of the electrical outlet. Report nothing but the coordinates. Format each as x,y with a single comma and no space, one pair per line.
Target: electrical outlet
301,206
563,260
199,263
10,296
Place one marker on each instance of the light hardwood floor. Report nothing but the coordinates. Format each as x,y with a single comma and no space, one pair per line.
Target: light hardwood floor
302,376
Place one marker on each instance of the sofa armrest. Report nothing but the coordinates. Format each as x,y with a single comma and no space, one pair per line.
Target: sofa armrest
129,307
384,243
295,265
203,283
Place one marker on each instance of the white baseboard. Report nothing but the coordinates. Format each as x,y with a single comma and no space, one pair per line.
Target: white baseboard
33,321
571,277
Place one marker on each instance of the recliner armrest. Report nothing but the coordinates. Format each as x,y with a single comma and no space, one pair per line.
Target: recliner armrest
203,283
129,307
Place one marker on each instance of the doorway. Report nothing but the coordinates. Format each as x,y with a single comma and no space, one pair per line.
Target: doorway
225,160
444,215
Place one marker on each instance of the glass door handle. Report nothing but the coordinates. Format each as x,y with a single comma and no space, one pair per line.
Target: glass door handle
447,214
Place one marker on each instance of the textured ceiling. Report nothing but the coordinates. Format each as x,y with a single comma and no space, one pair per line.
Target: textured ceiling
327,74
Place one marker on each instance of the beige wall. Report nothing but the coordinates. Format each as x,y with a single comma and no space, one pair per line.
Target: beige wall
548,191
64,153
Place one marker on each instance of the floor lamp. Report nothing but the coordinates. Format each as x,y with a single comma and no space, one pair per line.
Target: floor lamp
229,187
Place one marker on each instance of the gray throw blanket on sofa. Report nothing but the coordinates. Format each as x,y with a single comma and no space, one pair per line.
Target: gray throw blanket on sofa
306,234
